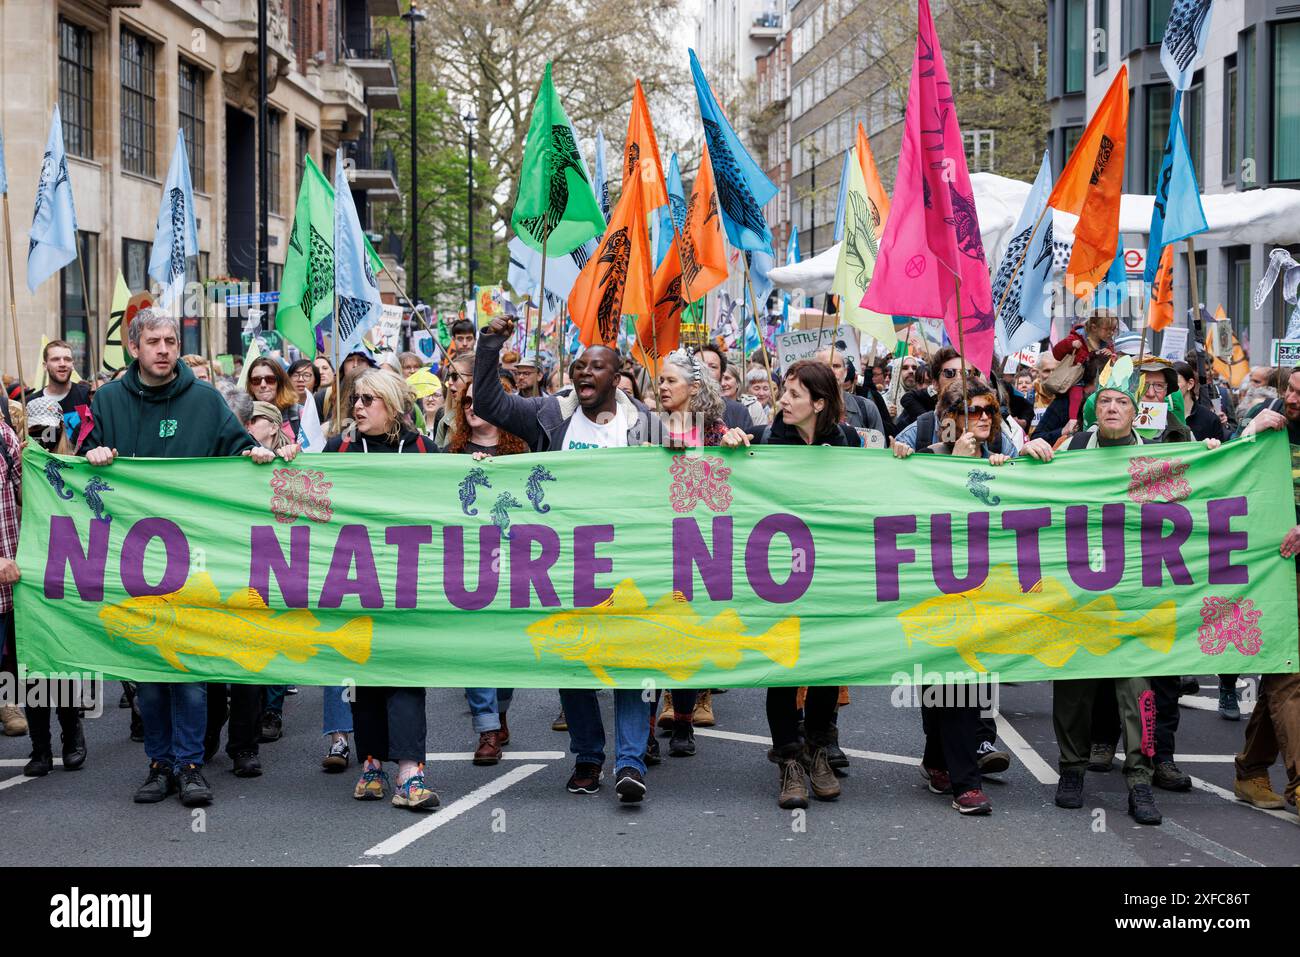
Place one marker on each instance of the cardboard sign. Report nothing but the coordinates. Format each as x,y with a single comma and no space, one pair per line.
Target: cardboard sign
1152,415
806,343
1173,345
384,333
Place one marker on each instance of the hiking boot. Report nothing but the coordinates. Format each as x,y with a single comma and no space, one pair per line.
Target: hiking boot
794,782
1069,790
972,802
585,778
195,791
1259,792
651,756
489,749
682,743
990,760
560,724
337,758
936,781
124,701
703,716
821,778
1229,704
503,733
41,764
74,746
414,795
1188,684
1102,758
373,783
666,714
15,724
1142,805
247,764
1169,777
629,785
272,727
157,786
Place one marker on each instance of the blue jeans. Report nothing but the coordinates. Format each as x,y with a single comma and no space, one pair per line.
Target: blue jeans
336,712
487,705
587,731
175,719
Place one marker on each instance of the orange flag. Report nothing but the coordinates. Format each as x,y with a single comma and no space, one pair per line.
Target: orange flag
617,278
705,270
641,153
876,195
1090,188
1161,311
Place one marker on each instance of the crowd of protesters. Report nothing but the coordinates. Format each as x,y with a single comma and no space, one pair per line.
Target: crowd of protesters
488,399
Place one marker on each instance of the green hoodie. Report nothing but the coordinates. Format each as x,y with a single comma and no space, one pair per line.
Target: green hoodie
181,419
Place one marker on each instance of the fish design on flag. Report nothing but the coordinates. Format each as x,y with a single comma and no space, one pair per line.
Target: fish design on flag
176,261
858,235
733,195
562,158
1183,28
320,272
1104,150
194,621
965,221
1047,623
626,632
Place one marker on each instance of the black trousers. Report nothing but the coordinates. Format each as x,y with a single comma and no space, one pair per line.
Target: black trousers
951,736
244,712
1105,715
783,715
38,716
389,724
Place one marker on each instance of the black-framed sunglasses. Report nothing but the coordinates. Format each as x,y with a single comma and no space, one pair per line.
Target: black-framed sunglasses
953,373
364,399
979,411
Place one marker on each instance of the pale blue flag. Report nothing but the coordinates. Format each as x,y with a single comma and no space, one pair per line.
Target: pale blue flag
601,184
1177,212
1113,288
844,195
176,235
760,264
359,305
1026,300
4,180
671,219
791,256
1184,40
52,243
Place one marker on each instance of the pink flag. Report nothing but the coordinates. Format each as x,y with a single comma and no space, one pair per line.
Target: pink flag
933,231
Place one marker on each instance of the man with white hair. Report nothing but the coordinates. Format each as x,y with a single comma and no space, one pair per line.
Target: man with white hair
156,410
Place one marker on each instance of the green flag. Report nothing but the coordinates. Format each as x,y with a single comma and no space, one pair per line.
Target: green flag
555,201
307,285
444,337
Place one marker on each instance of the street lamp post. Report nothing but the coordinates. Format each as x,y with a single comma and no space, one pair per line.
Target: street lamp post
470,119
263,169
413,16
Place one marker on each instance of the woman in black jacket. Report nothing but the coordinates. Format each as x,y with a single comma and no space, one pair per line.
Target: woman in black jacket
809,412
389,722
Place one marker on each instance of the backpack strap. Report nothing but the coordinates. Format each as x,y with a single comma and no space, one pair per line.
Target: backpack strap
419,443
343,446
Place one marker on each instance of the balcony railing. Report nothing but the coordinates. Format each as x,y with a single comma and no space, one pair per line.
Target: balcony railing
368,47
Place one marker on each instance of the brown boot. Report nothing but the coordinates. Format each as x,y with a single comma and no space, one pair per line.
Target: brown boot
794,783
825,787
1259,792
489,748
703,717
666,715
503,736
15,725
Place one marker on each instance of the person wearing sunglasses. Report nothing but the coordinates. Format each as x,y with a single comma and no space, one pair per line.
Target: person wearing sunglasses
918,424
460,373
389,722
268,382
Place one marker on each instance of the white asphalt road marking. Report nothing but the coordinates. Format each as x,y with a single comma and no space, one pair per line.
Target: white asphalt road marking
10,782
851,752
1033,762
1229,796
1212,704
505,756
1202,843
1205,758
455,809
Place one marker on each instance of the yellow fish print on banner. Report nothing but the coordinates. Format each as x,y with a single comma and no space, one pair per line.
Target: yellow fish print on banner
626,632
194,621
1047,623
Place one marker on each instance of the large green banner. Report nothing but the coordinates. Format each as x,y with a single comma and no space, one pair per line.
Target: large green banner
768,566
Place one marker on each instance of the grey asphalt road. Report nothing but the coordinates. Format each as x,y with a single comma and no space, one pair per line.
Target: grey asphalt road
716,808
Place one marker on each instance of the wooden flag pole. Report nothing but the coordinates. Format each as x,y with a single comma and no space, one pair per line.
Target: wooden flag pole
762,346
1193,284
13,308
1011,281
